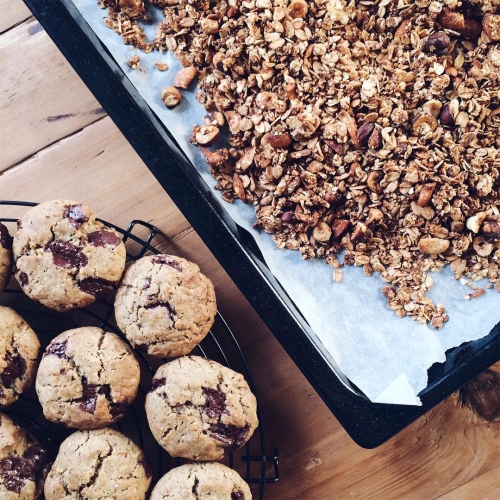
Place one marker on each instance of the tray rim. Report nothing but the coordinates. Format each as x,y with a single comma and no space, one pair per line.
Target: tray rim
369,424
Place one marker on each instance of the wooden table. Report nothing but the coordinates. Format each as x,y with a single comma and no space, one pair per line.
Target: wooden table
57,142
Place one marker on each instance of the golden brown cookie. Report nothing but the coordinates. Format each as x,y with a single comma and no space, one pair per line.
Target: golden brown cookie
64,258
24,463
165,305
202,481
19,353
199,409
5,257
100,464
87,378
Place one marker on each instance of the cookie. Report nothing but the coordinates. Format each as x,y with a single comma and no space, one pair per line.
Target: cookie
24,463
165,305
201,481
87,378
19,352
5,257
64,258
199,409
100,464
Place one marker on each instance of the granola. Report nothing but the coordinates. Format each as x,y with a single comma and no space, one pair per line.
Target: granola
369,126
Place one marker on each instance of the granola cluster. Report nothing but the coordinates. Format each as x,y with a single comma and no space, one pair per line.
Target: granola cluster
371,126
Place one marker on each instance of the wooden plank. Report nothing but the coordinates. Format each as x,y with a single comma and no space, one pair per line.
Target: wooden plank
485,487
41,98
13,12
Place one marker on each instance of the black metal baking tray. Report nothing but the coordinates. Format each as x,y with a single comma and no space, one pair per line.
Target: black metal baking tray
252,462
369,424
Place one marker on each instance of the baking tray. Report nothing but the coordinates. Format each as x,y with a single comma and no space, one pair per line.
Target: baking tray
251,462
369,424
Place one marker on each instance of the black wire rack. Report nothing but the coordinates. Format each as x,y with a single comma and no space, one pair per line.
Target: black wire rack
221,345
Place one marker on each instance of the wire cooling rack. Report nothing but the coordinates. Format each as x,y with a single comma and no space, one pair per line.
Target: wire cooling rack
220,345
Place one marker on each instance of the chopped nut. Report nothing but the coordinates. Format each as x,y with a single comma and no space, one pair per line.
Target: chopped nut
365,132
433,246
133,62
205,135
437,43
171,97
209,26
322,232
132,8
161,66
246,160
339,227
472,29
374,214
474,223
238,187
491,26
403,30
481,246
214,118
424,123
361,233
426,193
373,181
184,78
215,158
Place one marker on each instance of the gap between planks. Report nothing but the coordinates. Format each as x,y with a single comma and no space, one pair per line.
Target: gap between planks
18,23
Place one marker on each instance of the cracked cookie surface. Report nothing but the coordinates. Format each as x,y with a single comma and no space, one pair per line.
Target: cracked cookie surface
199,409
5,257
19,352
87,378
64,258
165,305
201,481
24,463
100,464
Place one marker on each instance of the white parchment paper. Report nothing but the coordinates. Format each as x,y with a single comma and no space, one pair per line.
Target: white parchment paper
386,357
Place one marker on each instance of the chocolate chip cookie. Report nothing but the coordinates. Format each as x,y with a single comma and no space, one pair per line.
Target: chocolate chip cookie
199,409
19,352
87,378
165,305
24,463
5,257
201,481
100,464
64,258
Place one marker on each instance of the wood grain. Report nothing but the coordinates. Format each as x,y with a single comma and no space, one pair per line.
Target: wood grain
12,13
42,100
447,454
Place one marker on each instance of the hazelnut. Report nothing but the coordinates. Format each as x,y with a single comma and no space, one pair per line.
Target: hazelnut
437,43
364,133
491,230
322,232
232,12
298,9
339,227
472,29
491,26
205,135
287,216
433,246
171,97
375,139
425,194
277,140
481,246
445,116
184,77
451,20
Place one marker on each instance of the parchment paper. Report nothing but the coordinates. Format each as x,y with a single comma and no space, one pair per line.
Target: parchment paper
386,357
